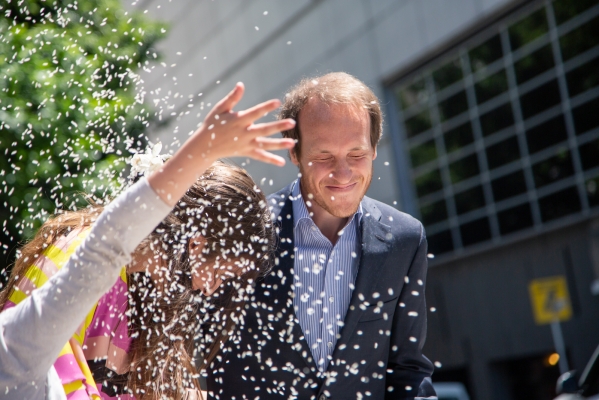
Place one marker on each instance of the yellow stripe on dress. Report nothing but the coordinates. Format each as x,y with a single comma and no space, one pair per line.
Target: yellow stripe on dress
124,274
36,276
59,257
17,295
56,255
73,386
80,336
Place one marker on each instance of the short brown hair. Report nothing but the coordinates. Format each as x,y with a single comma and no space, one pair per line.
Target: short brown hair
332,88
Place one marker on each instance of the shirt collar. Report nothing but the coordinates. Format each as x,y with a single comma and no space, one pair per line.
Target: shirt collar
300,211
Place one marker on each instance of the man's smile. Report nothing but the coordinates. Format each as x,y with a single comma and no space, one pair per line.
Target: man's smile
342,188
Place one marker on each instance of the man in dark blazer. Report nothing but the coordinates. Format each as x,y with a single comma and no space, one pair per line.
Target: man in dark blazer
342,314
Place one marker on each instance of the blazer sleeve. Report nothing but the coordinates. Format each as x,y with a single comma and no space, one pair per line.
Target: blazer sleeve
407,366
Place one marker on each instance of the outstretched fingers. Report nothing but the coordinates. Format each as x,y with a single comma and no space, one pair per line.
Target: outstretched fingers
265,156
270,128
274,144
258,111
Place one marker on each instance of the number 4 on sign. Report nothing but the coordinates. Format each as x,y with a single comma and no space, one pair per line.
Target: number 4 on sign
550,300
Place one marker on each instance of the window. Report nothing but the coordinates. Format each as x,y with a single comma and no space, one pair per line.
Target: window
434,212
509,185
559,204
534,64
423,153
581,39
497,119
553,169
458,137
428,183
502,132
589,154
491,86
447,74
546,134
475,231
469,200
515,219
583,78
453,105
503,152
585,117
540,98
464,168
592,189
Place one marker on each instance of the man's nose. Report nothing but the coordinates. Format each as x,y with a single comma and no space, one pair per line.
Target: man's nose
342,172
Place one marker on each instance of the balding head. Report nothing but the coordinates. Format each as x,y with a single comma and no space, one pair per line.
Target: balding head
332,89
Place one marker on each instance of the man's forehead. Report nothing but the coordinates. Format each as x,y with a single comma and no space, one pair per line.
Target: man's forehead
316,109
333,144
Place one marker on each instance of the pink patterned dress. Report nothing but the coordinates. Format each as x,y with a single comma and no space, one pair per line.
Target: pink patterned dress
101,341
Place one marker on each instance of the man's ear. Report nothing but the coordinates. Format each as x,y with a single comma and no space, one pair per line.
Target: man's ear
375,153
293,156
195,247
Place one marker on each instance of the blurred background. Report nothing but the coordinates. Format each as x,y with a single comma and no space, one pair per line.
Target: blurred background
491,139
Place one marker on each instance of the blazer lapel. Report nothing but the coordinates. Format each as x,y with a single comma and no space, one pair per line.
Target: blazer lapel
282,275
375,248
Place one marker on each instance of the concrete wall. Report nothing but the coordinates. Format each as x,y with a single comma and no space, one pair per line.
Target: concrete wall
270,45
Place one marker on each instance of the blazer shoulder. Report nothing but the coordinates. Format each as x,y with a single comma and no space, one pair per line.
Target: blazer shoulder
395,219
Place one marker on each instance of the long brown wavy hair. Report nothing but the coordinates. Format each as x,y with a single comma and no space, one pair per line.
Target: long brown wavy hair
166,314
176,330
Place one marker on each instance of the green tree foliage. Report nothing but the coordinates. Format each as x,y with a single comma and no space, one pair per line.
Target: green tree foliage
69,109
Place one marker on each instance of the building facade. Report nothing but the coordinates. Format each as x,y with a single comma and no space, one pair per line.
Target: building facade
491,139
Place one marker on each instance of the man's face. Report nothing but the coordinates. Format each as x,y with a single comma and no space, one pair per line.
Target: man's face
336,156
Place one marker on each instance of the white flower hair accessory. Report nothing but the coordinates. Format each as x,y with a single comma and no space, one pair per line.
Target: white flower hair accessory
148,162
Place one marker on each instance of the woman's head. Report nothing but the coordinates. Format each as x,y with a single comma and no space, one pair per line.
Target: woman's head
225,224
217,241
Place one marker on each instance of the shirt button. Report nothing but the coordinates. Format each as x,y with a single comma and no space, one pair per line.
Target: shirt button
330,344
331,299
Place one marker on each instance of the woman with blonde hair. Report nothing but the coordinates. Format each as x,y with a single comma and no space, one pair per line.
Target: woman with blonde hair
214,230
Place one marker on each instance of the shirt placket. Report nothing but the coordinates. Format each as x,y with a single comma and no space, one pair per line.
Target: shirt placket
322,254
329,325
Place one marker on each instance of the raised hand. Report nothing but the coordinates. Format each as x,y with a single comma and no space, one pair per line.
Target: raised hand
230,133
224,133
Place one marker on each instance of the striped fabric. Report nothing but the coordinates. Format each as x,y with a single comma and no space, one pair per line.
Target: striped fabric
102,336
70,365
324,277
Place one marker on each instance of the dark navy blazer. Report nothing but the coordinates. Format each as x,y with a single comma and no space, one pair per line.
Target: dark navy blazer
379,353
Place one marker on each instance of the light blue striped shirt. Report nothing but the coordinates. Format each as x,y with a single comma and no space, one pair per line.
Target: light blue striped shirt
324,277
